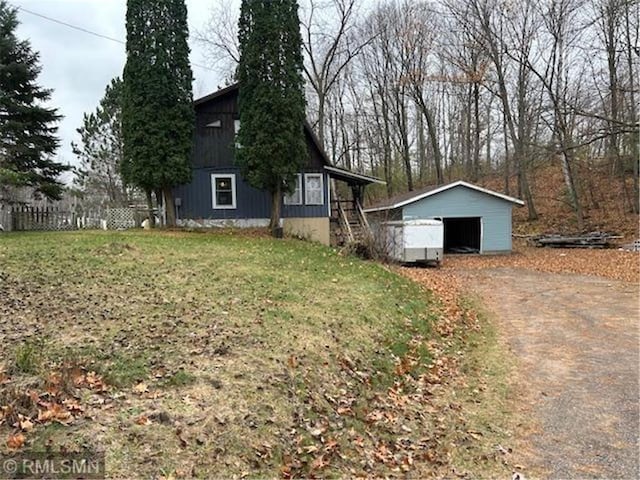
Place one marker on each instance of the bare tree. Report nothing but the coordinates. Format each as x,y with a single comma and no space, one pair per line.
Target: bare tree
330,44
219,37
489,21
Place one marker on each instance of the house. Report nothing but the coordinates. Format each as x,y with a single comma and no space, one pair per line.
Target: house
219,196
475,219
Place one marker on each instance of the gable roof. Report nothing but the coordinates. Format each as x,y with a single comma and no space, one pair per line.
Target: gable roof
217,94
416,195
337,172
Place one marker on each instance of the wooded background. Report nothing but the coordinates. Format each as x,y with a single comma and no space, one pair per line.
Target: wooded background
423,93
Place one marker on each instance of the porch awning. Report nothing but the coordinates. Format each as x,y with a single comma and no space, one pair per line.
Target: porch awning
351,178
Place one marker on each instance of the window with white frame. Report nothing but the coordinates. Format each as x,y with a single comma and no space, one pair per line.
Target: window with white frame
313,191
224,190
296,197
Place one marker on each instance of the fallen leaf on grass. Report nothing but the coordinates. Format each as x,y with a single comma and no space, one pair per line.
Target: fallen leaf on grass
15,442
292,362
143,420
183,441
319,463
25,424
141,388
54,412
73,405
316,432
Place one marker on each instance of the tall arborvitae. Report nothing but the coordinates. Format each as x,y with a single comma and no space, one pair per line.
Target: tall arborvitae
158,117
28,129
271,140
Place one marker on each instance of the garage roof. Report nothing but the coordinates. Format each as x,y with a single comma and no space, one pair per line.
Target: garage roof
411,197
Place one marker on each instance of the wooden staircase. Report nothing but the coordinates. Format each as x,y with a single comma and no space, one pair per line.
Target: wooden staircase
348,222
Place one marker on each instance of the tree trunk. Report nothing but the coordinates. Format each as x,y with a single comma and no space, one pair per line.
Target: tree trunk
276,202
507,172
321,118
169,207
571,188
150,216
422,157
476,133
433,138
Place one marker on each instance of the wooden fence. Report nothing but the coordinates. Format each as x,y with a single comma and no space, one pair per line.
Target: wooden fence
5,219
27,218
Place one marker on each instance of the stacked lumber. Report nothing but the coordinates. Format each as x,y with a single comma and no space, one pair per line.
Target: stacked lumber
588,240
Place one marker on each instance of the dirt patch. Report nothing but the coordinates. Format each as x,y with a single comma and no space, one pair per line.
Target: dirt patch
574,333
576,339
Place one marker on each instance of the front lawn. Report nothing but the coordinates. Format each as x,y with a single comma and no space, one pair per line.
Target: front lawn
199,355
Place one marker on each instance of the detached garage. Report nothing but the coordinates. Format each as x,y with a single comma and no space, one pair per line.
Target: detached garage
476,220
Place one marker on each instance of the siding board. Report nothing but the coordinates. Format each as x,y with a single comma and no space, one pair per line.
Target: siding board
464,202
213,152
196,199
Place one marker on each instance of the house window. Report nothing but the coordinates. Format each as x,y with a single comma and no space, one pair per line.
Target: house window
296,197
224,191
313,191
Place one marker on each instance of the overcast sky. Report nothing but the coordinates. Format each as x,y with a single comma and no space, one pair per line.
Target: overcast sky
78,66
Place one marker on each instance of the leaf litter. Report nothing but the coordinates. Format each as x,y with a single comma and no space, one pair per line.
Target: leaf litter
393,412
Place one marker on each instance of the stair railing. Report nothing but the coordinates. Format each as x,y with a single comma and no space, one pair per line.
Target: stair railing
362,218
344,222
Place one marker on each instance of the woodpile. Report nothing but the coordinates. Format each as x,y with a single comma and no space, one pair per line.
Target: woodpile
588,240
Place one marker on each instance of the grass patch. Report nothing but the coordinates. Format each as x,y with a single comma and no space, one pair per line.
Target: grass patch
123,370
180,379
488,370
237,340
27,358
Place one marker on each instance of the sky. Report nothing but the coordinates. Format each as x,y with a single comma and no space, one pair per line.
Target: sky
78,66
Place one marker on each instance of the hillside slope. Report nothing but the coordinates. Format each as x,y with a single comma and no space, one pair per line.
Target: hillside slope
603,200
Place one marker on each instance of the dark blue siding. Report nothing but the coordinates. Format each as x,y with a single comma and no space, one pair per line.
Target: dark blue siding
197,199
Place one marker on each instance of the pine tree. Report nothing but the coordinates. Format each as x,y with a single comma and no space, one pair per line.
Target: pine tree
27,128
101,149
158,116
272,147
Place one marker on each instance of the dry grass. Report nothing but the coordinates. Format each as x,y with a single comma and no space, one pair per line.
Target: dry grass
229,355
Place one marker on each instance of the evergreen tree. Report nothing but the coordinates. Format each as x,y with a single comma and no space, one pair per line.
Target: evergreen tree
272,147
100,153
27,128
157,116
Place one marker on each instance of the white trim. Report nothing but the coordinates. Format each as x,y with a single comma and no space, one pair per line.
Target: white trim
215,176
224,223
359,176
459,183
285,200
306,197
480,250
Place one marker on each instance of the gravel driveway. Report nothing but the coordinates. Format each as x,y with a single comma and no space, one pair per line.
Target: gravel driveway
576,338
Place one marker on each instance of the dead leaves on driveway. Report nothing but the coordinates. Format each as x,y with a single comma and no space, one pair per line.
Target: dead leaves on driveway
614,264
